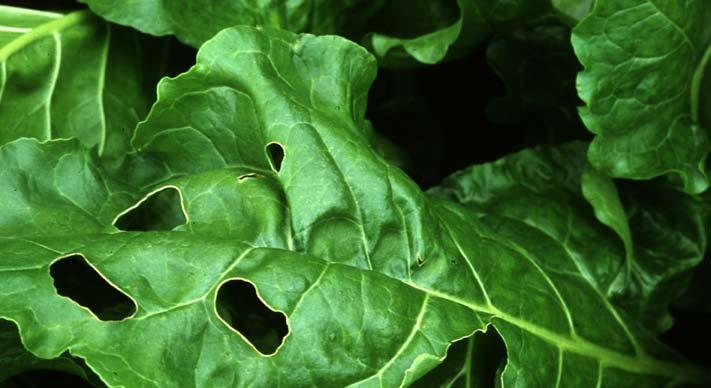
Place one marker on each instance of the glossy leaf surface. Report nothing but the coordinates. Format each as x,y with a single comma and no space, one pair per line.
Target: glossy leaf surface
646,98
74,76
376,279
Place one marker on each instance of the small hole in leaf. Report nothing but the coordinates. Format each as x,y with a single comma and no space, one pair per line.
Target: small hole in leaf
250,175
161,210
80,282
276,155
240,307
420,261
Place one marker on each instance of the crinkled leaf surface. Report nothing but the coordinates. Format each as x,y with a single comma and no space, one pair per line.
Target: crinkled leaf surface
646,98
375,278
74,76
642,266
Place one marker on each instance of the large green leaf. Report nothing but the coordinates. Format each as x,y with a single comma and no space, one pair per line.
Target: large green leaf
74,76
645,258
375,278
645,89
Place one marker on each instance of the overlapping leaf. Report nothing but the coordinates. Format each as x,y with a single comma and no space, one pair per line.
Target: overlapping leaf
399,32
642,266
74,76
375,278
645,88
194,23
473,22
538,67
15,359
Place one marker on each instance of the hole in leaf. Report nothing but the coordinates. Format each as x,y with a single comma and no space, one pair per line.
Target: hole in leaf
45,378
420,261
160,210
250,175
240,307
75,279
275,151
482,357
46,373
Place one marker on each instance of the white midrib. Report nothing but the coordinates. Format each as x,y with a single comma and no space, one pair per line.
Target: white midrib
696,82
415,329
55,76
16,30
576,345
100,91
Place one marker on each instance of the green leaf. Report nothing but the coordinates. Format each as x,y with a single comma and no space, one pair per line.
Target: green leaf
195,22
645,98
641,267
670,230
601,192
475,21
14,359
73,76
575,9
175,280
476,361
400,33
374,278
541,188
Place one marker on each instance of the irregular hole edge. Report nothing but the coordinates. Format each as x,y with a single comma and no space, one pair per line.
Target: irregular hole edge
56,291
145,198
269,156
53,356
506,353
440,360
249,175
259,296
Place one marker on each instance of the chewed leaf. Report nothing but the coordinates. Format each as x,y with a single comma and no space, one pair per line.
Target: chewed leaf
77,280
240,307
19,367
358,277
159,210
